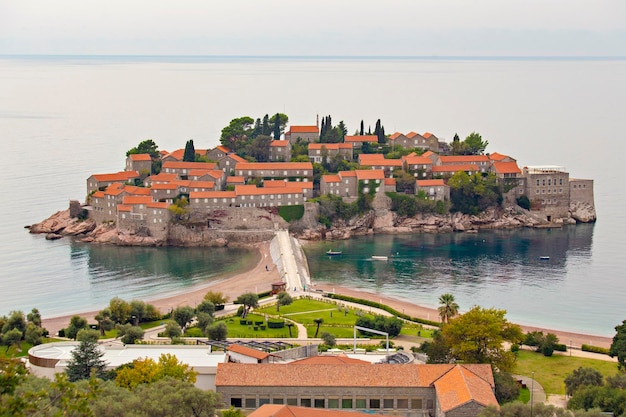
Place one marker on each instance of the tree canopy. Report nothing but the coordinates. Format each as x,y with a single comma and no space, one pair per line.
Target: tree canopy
190,152
618,346
86,358
448,307
249,138
471,194
147,146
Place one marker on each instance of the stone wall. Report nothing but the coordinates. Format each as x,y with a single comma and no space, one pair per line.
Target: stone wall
297,352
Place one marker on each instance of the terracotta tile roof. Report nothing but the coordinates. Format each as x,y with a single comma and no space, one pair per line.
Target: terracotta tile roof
507,168
319,146
427,135
390,181
164,186
116,177
157,204
235,157
140,157
395,135
134,190
223,149
417,160
201,184
327,360
427,154
329,375
497,156
279,143
347,173
198,172
235,179
122,207
178,154
212,194
459,159
113,191
430,183
247,351
460,386
275,165
455,168
411,135
136,199
215,173
98,194
275,183
303,129
162,177
189,165
370,174
363,138
371,157
331,178
281,410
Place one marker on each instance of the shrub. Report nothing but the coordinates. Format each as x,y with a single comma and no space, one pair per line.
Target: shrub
594,349
275,324
290,213
243,322
523,202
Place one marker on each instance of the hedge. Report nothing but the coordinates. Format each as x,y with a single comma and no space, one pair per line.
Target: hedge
275,324
382,307
594,349
560,347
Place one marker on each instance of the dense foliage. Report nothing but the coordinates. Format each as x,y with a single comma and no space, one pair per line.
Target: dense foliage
618,346
17,328
390,325
250,139
471,194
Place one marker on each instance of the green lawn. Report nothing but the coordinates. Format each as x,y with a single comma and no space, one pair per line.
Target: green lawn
12,352
236,329
551,371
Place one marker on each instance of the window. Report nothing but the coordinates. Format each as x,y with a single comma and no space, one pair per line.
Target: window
374,403
416,403
319,403
560,181
305,402
346,403
549,181
544,182
292,401
361,403
537,182
250,402
387,402
280,400
333,403
235,402
263,401
403,403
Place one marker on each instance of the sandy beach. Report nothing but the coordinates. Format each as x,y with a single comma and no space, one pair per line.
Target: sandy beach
259,279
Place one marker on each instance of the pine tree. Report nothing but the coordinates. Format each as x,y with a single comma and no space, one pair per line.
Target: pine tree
190,152
86,358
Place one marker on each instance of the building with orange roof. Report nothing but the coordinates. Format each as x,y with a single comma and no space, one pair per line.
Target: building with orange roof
101,181
140,162
177,155
217,153
282,410
444,390
436,189
419,166
182,169
300,171
446,171
413,140
228,163
160,178
500,157
280,151
305,133
481,161
378,161
348,184
243,354
235,180
358,140
319,151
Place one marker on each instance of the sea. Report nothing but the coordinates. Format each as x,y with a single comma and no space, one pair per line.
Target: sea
64,118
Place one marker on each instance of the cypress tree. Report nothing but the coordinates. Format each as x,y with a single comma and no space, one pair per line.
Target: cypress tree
277,127
362,129
265,129
190,152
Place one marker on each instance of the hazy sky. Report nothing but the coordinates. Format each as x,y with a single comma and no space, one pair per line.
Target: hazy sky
323,27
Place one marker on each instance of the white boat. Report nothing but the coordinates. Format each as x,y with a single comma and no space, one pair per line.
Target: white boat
331,252
379,258
544,258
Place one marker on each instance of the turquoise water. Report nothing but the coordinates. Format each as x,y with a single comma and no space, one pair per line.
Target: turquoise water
65,118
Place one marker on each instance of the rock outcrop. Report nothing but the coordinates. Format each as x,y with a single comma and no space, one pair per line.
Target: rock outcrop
60,223
582,212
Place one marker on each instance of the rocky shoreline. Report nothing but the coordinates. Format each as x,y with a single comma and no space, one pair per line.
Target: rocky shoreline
381,220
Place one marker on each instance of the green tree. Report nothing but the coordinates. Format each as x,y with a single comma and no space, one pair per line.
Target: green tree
120,310
15,320
12,338
475,143
318,322
448,307
283,299
235,135
329,339
129,334
277,131
216,297
258,148
471,194
204,320
86,359
507,389
249,301
478,336
104,321
87,335
33,334
147,146
190,152
218,331
12,373
77,323
173,329
206,306
183,316
34,317
582,377
618,346
137,311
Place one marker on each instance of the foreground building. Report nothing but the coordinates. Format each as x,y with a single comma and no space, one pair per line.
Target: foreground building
410,389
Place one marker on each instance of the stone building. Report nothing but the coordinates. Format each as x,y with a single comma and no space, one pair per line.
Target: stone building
140,162
299,171
305,133
378,161
280,151
410,389
413,140
435,189
548,189
102,181
358,141
317,151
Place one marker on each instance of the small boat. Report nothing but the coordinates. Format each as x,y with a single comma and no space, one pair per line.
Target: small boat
379,258
331,252
544,258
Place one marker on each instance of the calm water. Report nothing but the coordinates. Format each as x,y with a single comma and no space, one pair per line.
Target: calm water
63,119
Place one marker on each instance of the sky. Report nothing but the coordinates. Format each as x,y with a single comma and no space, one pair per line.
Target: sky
314,28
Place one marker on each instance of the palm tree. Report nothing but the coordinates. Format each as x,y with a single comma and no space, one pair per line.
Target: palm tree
318,322
448,307
289,326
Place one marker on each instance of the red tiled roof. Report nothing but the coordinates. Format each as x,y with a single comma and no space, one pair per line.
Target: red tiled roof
223,148
212,194
459,159
235,157
134,190
395,135
373,157
370,174
136,199
140,157
247,351
331,178
122,207
162,177
411,135
157,204
303,129
347,173
460,386
327,360
455,168
430,183
279,143
363,138
417,160
390,181
281,410
164,186
427,135
507,167
274,165
235,179
98,194
178,154
118,176
201,184
189,165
